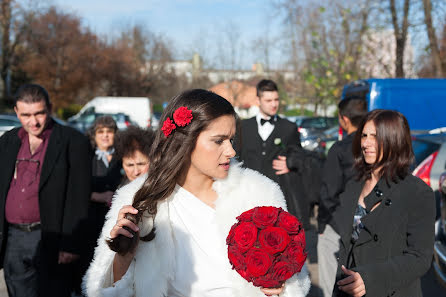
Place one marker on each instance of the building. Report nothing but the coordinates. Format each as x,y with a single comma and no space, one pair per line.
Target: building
241,95
379,55
193,68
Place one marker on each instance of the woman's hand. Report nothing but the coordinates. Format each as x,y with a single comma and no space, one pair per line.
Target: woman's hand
271,292
353,284
118,228
122,262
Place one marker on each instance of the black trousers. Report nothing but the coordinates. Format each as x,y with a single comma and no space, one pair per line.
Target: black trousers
21,263
31,268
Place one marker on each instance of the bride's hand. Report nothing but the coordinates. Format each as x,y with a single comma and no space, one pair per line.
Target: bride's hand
118,228
271,292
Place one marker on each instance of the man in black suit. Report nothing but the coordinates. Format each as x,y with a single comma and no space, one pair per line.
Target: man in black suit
44,194
269,144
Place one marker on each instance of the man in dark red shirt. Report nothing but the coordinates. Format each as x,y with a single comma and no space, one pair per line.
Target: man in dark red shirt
44,193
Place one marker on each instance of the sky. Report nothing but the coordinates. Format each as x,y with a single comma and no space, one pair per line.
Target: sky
190,24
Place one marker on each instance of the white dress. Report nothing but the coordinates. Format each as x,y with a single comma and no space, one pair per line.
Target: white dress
188,256
199,269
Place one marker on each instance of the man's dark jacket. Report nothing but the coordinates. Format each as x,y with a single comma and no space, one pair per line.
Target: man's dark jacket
64,192
337,171
259,155
395,247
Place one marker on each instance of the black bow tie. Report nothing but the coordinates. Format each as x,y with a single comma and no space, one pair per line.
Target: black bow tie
263,121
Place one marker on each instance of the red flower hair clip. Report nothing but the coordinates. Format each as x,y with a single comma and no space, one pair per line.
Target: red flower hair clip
168,127
182,117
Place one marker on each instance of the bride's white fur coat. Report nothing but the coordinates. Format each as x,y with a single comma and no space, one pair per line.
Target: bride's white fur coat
154,261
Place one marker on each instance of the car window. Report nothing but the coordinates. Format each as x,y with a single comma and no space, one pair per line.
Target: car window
422,149
332,122
4,122
314,123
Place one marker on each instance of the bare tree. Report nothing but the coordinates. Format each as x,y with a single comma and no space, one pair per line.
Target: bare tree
325,45
400,32
14,22
433,44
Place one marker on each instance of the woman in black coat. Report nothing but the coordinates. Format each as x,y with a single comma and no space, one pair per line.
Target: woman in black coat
106,177
386,217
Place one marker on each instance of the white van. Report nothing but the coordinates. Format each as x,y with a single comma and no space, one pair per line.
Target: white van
139,109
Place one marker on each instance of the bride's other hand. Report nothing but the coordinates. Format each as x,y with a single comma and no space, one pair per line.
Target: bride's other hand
271,292
118,228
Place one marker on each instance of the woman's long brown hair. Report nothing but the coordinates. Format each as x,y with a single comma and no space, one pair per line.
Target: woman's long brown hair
170,157
394,145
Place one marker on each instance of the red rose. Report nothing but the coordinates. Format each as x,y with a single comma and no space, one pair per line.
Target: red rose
258,262
246,216
265,216
282,271
182,116
299,238
245,234
245,274
230,237
266,281
273,239
296,255
288,222
236,258
168,127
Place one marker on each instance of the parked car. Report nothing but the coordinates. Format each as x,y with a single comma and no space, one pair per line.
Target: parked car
312,129
439,263
430,157
430,161
8,122
156,120
139,109
85,121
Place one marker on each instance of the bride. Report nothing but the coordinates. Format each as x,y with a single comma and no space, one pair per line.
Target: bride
165,232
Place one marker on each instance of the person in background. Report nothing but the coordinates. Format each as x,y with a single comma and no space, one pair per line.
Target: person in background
44,192
106,166
337,171
266,143
386,218
106,176
133,148
166,232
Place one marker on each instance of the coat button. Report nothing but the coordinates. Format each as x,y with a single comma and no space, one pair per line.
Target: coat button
263,153
388,202
375,237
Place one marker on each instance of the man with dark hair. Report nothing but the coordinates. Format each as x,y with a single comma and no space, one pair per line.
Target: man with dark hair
269,144
44,194
337,171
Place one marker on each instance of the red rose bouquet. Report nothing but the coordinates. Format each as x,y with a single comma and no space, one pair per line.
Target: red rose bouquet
266,246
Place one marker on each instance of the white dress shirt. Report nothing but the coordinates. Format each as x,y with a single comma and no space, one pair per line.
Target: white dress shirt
266,129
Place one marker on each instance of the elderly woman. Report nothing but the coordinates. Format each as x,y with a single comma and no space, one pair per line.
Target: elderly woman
106,177
133,147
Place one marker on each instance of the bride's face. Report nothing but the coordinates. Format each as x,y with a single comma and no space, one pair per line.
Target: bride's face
213,149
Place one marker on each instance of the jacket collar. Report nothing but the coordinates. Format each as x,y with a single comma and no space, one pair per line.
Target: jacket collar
52,153
382,194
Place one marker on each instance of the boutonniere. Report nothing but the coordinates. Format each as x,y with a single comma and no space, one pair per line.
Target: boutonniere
278,142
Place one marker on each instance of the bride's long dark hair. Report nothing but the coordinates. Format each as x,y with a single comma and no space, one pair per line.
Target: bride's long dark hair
170,157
